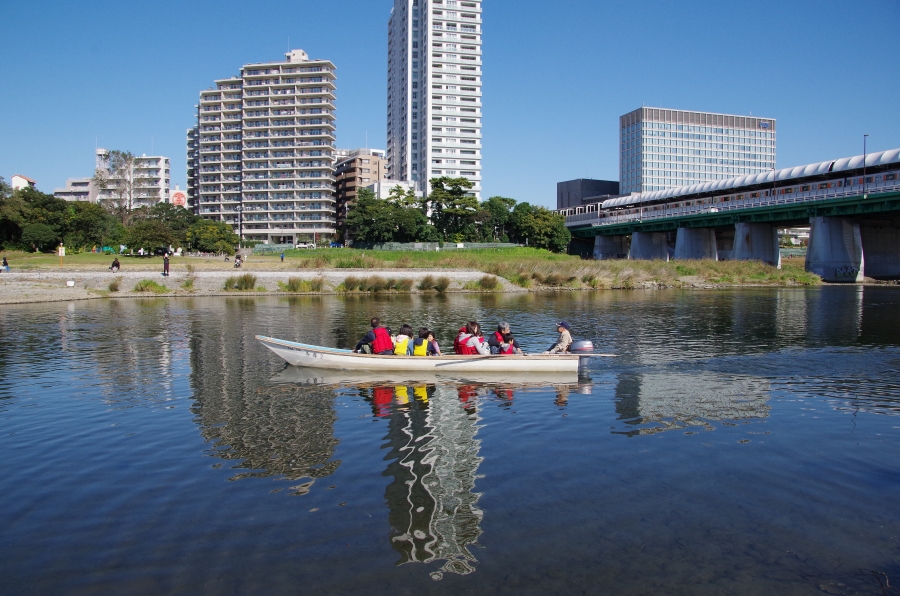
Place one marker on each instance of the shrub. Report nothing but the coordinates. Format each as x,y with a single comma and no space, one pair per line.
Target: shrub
373,283
243,282
442,284
114,284
295,284
554,279
427,283
404,285
148,285
489,282
188,284
350,283
317,284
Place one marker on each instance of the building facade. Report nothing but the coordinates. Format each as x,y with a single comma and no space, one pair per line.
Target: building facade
434,91
18,182
146,185
574,193
265,151
355,169
661,148
78,189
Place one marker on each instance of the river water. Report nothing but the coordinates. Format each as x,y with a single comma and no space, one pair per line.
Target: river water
742,442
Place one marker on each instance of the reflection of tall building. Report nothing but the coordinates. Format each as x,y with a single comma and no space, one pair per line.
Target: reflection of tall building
652,403
433,510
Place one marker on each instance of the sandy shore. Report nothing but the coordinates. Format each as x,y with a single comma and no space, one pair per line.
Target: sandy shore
18,287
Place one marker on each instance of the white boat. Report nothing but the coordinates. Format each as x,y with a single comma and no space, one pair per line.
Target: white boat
310,356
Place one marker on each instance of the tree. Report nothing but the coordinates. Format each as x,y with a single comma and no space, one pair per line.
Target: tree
115,176
177,219
542,228
89,225
499,209
15,214
518,222
40,236
452,209
212,236
149,234
371,219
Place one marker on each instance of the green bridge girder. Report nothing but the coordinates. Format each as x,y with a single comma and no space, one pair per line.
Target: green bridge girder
794,214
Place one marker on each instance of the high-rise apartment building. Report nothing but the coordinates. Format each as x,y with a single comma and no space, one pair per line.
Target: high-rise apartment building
434,91
144,186
265,151
661,148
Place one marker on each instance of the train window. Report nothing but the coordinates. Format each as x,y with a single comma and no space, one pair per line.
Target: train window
869,180
890,177
739,197
824,185
754,195
804,188
786,191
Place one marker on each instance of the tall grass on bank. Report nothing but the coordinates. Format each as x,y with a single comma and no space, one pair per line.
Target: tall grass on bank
375,284
295,284
115,284
148,285
242,283
487,283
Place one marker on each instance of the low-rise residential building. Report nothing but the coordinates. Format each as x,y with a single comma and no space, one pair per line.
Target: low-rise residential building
355,169
383,188
18,182
78,189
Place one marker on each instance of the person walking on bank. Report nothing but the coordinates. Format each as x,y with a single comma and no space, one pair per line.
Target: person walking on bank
5,265
563,341
166,265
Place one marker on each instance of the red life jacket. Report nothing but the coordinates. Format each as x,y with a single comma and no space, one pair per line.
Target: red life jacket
509,350
382,341
464,348
456,347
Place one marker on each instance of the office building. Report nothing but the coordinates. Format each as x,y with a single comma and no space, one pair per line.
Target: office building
355,169
434,91
78,189
146,185
265,151
661,148
574,193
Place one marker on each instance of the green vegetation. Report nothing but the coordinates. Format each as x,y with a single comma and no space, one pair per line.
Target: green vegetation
188,284
487,283
148,285
114,284
242,283
454,217
295,284
375,284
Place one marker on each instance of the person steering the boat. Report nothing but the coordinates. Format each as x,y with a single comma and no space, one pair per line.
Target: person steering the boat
470,340
563,341
376,341
498,345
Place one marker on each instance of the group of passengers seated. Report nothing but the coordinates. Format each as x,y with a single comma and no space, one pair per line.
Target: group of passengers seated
381,341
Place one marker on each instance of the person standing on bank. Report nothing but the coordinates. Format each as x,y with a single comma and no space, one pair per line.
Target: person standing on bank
166,265
5,265
376,341
563,341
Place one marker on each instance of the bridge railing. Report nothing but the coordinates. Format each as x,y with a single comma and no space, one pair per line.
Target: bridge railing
664,212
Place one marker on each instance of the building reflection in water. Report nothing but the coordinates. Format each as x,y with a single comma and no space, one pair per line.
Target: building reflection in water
434,512
657,402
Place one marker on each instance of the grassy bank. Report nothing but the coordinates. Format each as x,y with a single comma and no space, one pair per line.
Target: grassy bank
525,267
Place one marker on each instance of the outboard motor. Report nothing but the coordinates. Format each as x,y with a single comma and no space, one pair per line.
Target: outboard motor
582,346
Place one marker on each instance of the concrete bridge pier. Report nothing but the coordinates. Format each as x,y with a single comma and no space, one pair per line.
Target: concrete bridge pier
881,247
835,251
756,242
696,243
610,247
646,246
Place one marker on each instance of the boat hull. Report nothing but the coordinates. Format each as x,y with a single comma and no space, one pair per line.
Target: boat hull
299,354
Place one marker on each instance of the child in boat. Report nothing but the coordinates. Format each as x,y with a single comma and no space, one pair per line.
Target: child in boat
509,345
402,341
424,345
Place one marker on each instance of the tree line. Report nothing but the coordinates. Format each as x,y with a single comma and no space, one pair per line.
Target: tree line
32,220
449,214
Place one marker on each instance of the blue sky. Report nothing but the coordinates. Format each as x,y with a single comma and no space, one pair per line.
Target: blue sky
557,75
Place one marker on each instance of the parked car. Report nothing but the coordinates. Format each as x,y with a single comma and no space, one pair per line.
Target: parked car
158,252
305,245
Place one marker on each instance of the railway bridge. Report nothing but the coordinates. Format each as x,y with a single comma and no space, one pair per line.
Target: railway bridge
852,206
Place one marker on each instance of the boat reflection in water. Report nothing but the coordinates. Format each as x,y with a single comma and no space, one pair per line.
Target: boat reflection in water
434,454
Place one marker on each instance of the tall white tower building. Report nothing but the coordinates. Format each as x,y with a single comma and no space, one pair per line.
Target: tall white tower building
434,91
262,153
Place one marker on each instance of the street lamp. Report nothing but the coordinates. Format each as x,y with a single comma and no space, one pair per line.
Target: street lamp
865,186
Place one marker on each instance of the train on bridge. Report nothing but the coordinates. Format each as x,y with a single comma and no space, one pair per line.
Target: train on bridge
852,206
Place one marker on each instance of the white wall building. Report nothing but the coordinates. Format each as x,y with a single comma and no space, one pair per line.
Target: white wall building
383,188
265,151
78,189
661,148
434,91
18,182
149,182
